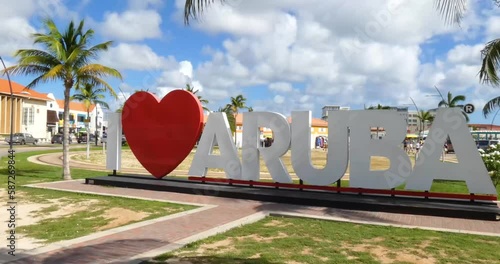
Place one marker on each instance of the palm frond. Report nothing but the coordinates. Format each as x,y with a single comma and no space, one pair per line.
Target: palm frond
491,105
193,8
491,62
455,100
452,10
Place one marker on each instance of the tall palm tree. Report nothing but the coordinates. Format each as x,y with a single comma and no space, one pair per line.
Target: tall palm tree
230,116
453,101
67,57
194,91
378,107
425,117
90,95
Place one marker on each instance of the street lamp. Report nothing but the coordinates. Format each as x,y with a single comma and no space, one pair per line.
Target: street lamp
11,107
419,117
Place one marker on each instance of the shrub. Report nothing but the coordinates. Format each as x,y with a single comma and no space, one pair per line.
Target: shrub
491,158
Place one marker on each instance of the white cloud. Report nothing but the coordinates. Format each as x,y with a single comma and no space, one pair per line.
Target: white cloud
144,4
280,87
132,25
278,99
343,52
134,57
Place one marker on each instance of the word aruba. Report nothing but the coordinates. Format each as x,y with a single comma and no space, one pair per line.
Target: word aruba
349,141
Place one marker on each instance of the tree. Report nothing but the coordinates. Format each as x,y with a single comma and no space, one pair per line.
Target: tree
230,117
67,57
425,117
90,95
452,101
194,91
378,107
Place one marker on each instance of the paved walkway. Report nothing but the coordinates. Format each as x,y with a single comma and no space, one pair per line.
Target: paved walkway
141,241
137,242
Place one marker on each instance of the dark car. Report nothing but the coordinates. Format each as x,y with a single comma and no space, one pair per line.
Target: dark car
59,139
104,139
484,144
83,138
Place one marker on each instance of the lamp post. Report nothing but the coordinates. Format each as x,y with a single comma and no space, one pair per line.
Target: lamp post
418,112
11,144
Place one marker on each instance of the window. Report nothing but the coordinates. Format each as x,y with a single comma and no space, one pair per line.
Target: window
322,129
25,116
28,116
81,118
31,116
61,117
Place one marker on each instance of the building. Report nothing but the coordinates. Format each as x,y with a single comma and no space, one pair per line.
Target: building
30,110
42,114
326,108
78,114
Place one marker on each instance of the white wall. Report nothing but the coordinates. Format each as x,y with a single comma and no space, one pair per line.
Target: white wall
39,126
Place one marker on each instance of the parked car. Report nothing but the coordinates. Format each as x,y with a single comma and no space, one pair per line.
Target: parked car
58,138
22,139
484,144
83,138
104,139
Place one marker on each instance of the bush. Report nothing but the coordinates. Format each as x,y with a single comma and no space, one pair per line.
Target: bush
491,158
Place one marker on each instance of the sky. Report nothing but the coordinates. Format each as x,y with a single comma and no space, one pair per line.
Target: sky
282,55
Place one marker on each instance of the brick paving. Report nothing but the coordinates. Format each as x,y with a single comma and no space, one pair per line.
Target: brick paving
118,247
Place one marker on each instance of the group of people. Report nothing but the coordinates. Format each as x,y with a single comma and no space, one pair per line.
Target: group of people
412,146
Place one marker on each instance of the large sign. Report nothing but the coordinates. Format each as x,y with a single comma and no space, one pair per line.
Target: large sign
162,133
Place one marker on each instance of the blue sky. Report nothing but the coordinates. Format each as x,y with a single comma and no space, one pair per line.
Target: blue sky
281,55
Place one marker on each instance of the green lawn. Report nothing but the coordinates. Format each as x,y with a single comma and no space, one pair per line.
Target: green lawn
89,213
294,240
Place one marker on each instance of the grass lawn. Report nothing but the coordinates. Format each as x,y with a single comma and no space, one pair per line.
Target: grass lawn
294,240
51,215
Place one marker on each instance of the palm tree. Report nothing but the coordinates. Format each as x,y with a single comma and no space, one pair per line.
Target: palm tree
66,57
425,117
194,91
90,95
454,102
491,105
230,117
378,107
237,103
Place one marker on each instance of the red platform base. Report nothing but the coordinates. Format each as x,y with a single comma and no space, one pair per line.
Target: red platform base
393,193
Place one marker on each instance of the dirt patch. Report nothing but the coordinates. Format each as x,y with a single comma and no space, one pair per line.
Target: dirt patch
121,216
219,247
277,223
31,213
259,238
388,256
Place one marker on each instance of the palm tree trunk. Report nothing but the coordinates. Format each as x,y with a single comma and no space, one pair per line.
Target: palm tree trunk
87,127
66,169
95,125
235,128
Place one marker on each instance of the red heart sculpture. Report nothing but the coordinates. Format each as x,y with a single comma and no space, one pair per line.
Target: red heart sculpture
161,134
